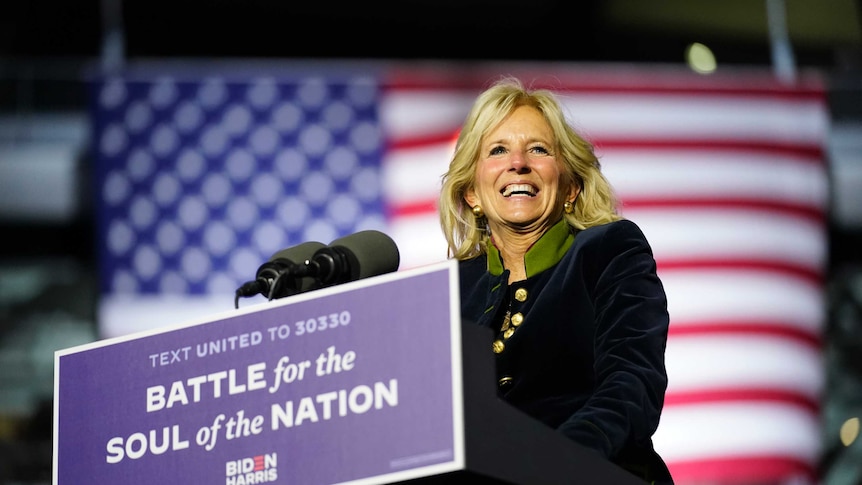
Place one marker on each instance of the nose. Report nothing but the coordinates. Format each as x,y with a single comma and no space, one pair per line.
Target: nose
519,162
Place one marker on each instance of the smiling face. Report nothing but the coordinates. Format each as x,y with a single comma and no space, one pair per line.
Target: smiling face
520,184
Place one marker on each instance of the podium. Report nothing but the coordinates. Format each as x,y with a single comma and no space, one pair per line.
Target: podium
371,382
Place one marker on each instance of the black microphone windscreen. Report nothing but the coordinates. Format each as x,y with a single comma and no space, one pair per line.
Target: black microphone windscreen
375,252
299,253
283,274
284,271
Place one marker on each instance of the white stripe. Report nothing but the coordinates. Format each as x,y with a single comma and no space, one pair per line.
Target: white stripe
697,295
729,430
415,113
698,116
419,239
728,233
664,174
696,363
414,175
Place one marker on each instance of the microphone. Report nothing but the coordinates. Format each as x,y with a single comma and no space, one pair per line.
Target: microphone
350,258
269,281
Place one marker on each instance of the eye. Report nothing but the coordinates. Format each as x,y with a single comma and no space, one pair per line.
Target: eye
497,150
540,150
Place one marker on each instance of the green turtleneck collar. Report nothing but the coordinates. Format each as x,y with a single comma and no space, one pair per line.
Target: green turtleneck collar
543,254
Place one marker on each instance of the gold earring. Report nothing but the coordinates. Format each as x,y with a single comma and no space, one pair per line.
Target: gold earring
477,211
568,207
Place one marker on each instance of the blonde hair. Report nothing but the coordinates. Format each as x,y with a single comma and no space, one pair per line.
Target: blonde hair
596,204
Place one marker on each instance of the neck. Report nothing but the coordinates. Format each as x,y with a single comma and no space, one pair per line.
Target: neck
513,247
525,253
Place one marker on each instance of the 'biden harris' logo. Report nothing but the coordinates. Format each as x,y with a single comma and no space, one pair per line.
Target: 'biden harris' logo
251,471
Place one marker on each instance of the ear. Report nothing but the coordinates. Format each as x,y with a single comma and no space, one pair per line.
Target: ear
574,190
470,197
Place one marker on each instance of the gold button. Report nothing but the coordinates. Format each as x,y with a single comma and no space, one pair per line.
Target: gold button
520,294
508,333
505,381
517,319
498,346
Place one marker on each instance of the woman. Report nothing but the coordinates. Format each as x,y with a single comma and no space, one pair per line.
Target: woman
567,285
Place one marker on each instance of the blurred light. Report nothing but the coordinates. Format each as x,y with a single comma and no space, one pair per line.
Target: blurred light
849,431
700,58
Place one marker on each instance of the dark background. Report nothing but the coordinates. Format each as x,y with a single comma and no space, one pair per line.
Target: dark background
47,263
824,33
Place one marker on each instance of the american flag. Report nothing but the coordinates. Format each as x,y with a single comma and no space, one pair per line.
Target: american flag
203,174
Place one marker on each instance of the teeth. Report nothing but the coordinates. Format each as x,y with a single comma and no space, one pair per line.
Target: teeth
518,188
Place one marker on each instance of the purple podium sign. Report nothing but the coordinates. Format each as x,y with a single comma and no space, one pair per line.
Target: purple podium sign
358,383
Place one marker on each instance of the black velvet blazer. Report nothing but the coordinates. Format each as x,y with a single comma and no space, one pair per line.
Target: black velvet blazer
584,351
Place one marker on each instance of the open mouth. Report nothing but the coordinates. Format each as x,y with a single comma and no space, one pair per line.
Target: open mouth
518,189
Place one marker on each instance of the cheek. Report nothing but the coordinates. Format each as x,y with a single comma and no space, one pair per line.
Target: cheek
556,174
487,171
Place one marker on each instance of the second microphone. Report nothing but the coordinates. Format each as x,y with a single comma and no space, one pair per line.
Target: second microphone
350,258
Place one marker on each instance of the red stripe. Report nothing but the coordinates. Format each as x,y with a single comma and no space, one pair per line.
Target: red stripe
713,91
807,211
812,275
811,152
743,470
713,395
423,207
446,137
775,329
